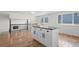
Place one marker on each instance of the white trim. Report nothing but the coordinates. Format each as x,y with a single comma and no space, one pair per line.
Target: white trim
73,18
66,24
61,19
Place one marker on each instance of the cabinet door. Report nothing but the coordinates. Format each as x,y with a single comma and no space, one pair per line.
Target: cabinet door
48,38
46,19
55,37
39,33
32,30
33,33
36,33
42,36
42,20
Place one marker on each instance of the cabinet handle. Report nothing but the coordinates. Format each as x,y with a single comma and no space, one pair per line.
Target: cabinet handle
40,29
47,31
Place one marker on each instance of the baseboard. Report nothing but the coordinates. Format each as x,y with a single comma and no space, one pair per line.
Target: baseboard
62,33
4,32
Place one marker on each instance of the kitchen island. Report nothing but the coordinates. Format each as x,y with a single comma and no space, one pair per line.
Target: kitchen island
46,35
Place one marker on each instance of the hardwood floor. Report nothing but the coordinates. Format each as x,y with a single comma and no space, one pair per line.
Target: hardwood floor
24,39
68,40
18,39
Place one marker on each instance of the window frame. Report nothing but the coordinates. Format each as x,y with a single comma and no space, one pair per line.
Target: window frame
73,24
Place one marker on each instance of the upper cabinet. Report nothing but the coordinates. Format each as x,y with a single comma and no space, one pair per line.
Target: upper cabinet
44,19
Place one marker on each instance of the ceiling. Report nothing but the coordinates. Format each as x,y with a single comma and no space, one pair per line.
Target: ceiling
36,13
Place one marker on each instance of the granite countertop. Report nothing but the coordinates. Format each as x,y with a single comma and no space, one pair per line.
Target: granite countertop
49,28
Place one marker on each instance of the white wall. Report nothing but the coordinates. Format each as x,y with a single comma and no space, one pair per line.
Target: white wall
4,22
22,23
68,29
53,18
18,21
17,18
23,17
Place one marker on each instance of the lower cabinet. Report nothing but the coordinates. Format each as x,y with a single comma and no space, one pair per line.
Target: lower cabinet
39,36
47,37
34,33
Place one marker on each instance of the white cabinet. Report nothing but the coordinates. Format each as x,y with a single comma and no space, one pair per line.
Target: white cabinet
43,36
34,32
55,37
46,36
39,35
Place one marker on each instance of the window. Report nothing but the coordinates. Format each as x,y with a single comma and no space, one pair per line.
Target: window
76,18
59,19
67,19
46,19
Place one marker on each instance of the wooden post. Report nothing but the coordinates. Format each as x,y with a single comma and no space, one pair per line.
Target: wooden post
27,24
10,26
